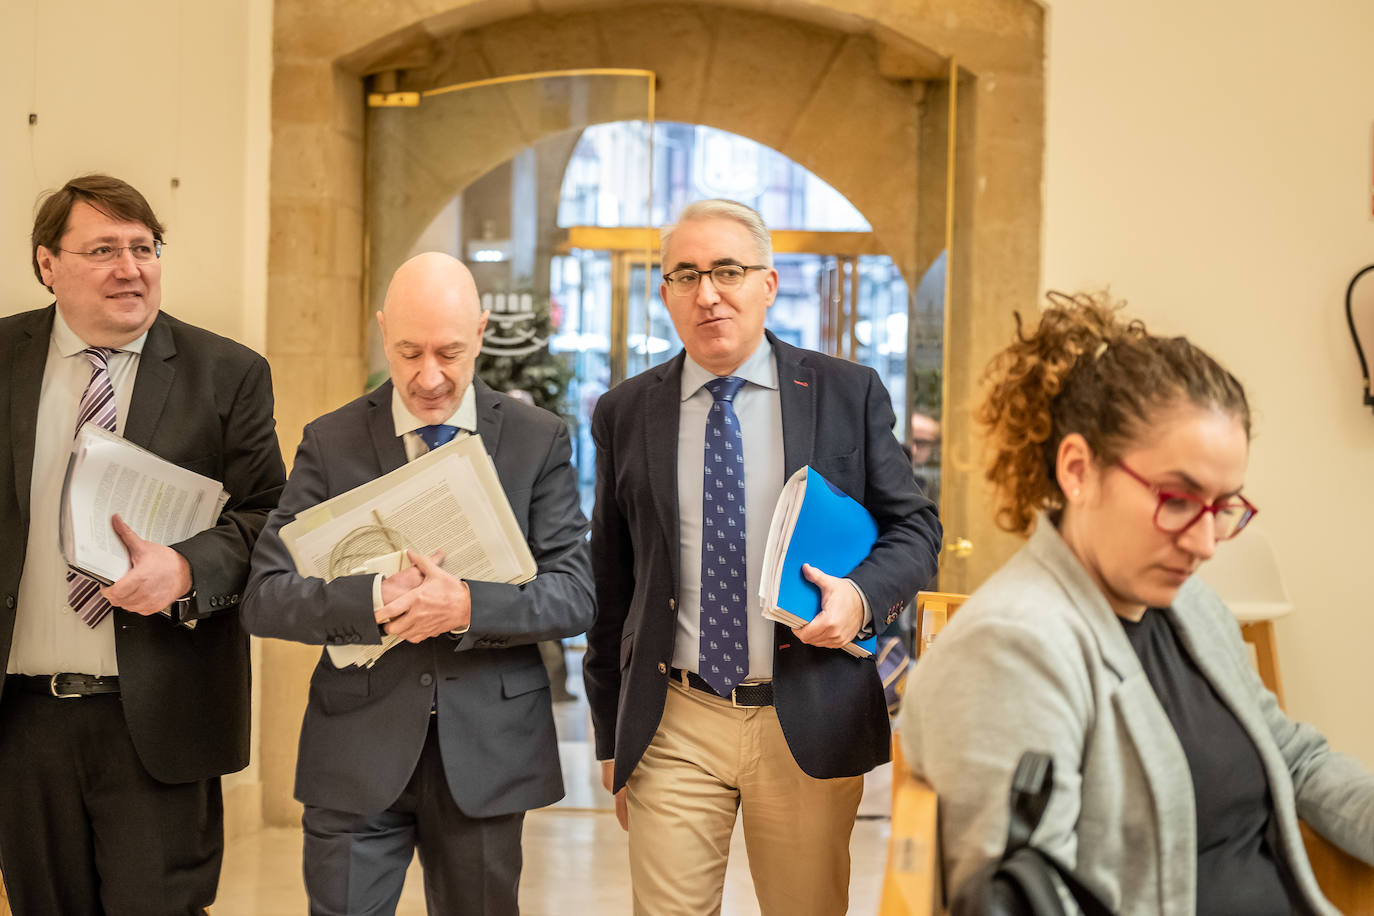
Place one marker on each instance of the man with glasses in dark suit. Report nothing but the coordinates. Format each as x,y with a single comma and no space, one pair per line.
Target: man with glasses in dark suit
117,716
701,707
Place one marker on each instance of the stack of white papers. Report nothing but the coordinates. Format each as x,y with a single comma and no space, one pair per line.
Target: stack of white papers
449,499
160,501
366,656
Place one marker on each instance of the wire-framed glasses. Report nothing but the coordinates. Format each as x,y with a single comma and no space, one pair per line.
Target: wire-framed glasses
142,252
1175,512
685,280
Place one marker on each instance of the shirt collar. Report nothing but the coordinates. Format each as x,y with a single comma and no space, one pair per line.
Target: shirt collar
759,369
68,344
465,417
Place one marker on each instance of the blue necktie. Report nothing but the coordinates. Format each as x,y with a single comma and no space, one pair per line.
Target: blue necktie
724,658
437,435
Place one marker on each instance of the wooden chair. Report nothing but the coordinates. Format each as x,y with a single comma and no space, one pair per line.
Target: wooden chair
933,610
911,881
911,884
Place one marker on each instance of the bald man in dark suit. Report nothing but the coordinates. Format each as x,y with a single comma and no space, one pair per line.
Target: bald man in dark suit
449,738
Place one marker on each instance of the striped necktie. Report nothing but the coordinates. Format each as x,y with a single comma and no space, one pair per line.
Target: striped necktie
97,407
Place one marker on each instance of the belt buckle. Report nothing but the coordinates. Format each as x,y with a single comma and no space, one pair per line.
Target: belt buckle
734,701
52,688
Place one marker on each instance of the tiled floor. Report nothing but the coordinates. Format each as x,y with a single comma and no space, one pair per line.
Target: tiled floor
574,865
575,853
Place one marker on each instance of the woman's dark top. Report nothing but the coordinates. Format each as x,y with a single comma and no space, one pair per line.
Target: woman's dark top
1237,872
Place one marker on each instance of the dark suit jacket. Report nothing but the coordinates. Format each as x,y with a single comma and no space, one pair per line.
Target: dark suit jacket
205,403
364,728
836,417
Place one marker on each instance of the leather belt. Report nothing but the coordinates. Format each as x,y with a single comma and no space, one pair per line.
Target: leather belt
64,685
746,695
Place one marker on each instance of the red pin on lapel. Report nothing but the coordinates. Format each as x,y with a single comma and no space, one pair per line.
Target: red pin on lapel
797,381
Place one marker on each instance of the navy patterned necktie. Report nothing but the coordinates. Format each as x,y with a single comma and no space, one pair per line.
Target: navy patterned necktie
437,435
724,659
98,409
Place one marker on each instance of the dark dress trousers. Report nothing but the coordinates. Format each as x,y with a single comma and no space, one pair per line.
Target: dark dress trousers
836,417
364,728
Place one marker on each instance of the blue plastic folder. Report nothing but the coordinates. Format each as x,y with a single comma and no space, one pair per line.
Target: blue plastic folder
815,523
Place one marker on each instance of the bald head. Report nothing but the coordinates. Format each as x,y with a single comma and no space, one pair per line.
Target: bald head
432,324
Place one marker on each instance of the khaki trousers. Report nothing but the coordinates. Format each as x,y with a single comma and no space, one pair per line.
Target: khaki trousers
707,761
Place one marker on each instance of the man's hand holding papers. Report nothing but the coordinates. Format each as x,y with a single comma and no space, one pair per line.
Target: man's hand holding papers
157,575
439,604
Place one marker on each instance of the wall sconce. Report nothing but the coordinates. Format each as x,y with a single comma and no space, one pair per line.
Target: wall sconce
1359,313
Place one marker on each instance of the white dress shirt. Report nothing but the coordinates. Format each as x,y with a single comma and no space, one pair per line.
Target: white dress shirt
406,423
49,638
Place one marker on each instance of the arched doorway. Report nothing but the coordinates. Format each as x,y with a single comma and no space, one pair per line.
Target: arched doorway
556,237
860,94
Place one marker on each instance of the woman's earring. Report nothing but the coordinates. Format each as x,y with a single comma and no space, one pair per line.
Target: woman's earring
1074,494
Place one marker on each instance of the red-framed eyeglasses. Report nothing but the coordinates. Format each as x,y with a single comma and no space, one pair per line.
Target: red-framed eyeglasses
1175,512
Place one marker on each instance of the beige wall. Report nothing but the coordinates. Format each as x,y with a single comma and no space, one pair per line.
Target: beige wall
167,90
1211,161
176,90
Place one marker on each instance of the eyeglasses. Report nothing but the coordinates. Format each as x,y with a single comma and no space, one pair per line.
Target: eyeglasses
105,254
1175,513
726,276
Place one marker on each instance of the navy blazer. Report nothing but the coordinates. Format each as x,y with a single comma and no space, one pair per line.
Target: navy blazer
203,402
837,418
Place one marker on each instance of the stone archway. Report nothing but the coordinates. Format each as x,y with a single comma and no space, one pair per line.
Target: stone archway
835,85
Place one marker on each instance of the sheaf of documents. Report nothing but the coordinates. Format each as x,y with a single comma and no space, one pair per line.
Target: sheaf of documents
366,656
162,502
449,499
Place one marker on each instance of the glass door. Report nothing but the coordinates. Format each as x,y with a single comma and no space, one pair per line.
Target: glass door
942,381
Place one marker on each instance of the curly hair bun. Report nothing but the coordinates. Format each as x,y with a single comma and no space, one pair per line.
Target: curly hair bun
1084,369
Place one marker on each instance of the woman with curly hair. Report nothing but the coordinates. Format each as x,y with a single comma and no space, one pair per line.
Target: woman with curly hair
1178,780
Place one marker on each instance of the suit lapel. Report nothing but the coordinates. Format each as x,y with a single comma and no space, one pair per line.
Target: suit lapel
151,384
391,450
797,396
488,417
661,408
28,356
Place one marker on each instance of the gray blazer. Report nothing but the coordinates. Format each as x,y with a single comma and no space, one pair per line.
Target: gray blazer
1037,660
364,727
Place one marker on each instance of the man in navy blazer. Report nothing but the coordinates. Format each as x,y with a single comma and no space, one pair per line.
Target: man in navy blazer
449,738
702,708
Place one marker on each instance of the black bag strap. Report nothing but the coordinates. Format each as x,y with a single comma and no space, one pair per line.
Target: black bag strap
1032,783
